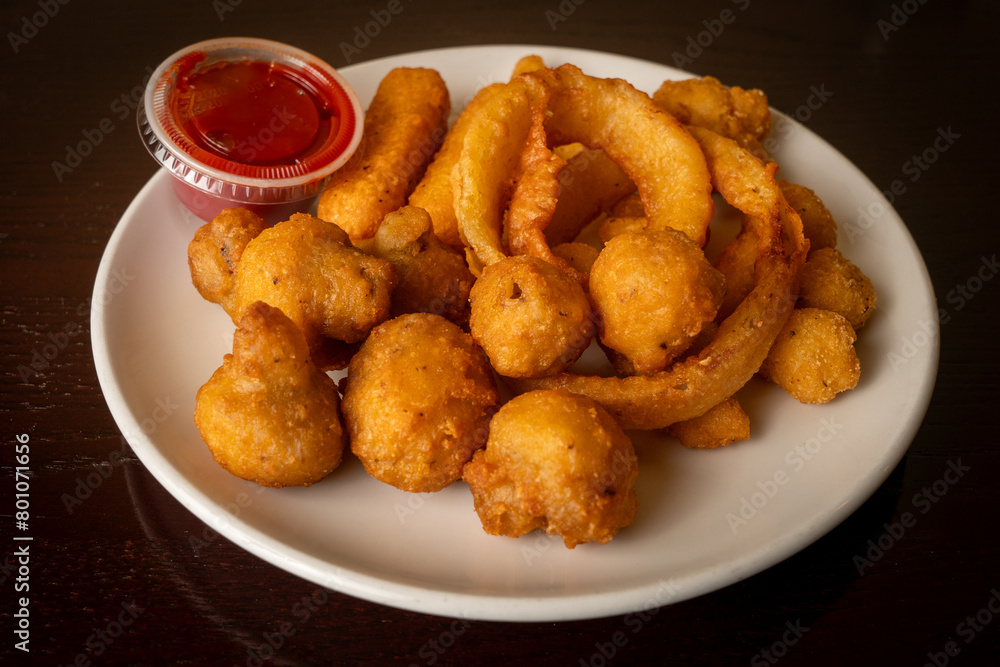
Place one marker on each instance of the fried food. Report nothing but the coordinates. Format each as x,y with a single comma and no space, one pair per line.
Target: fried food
615,225
813,358
832,282
818,224
741,115
268,415
581,256
722,425
433,277
736,262
653,291
589,184
434,193
533,201
307,268
418,399
215,251
528,63
555,462
530,318
696,383
489,164
629,206
404,126
649,145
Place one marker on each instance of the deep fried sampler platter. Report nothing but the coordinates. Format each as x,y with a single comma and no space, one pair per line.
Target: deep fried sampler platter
557,206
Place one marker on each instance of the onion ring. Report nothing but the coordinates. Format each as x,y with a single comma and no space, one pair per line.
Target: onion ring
649,144
691,387
483,179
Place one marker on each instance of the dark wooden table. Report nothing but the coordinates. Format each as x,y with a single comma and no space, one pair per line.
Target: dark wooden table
116,581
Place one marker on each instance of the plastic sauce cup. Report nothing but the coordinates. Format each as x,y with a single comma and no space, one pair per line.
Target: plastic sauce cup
244,122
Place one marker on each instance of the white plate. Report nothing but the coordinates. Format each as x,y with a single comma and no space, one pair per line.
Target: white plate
805,469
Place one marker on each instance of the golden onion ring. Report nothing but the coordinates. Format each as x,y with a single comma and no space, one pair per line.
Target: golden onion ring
691,387
649,144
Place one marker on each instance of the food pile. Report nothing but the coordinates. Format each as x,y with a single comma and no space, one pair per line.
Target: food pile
448,268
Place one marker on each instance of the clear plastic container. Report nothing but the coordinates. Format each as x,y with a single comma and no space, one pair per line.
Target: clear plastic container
245,122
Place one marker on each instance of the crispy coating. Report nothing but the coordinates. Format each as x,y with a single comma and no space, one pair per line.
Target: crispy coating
733,112
433,277
556,462
626,215
581,256
404,126
433,193
417,402
649,145
818,224
624,368
308,269
612,226
535,196
813,358
215,251
530,318
489,164
832,282
529,63
653,292
629,206
652,147
736,261
694,384
268,415
589,184
722,425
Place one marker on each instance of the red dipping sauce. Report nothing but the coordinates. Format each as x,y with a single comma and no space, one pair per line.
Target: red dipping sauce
251,123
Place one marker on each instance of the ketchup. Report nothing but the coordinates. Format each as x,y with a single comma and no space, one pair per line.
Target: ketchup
253,113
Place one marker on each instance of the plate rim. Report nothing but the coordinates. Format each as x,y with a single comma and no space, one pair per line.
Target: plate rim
566,605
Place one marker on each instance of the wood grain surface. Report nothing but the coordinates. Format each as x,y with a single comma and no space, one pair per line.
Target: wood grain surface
117,580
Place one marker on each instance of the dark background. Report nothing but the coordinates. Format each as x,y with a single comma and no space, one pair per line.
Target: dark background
893,90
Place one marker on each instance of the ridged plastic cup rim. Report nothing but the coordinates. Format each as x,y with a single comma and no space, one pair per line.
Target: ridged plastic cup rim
279,183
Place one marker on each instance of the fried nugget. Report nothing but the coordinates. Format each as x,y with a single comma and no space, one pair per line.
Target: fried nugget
722,425
215,251
832,282
557,462
404,127
268,415
308,269
813,358
530,318
653,292
818,225
417,402
742,115
433,277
